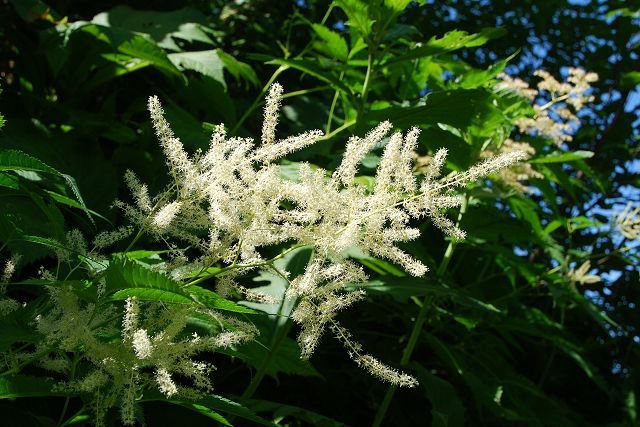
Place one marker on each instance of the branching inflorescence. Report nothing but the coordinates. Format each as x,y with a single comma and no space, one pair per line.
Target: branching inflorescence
233,200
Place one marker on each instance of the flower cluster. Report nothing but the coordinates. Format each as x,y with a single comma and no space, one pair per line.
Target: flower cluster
152,349
232,201
553,118
556,105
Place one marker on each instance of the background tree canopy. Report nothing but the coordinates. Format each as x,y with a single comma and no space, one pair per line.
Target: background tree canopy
531,320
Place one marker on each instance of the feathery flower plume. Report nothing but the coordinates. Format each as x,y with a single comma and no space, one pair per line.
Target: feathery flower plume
233,200
165,215
271,111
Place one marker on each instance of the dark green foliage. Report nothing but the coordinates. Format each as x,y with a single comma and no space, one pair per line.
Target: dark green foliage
508,338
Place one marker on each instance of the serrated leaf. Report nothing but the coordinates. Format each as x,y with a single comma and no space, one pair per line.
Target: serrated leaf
314,69
134,45
358,13
123,273
16,160
205,62
333,44
203,410
397,6
212,300
44,241
453,40
238,69
162,26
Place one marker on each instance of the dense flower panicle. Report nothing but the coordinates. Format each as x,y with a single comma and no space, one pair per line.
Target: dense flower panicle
233,200
165,215
181,167
139,191
165,382
553,118
516,174
384,372
556,106
141,344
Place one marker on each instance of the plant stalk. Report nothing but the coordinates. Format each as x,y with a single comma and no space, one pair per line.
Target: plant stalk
417,326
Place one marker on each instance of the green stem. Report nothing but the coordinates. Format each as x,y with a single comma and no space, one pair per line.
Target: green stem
135,239
417,326
367,80
336,131
304,91
280,331
235,266
334,102
76,359
279,334
278,337
259,99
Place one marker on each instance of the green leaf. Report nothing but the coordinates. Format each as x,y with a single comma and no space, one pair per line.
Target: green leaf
125,274
453,40
13,333
471,110
64,200
630,80
206,62
402,288
397,6
162,26
134,45
237,68
314,69
212,402
15,160
44,241
559,157
333,44
284,359
280,410
378,265
358,13
212,300
203,410
27,386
